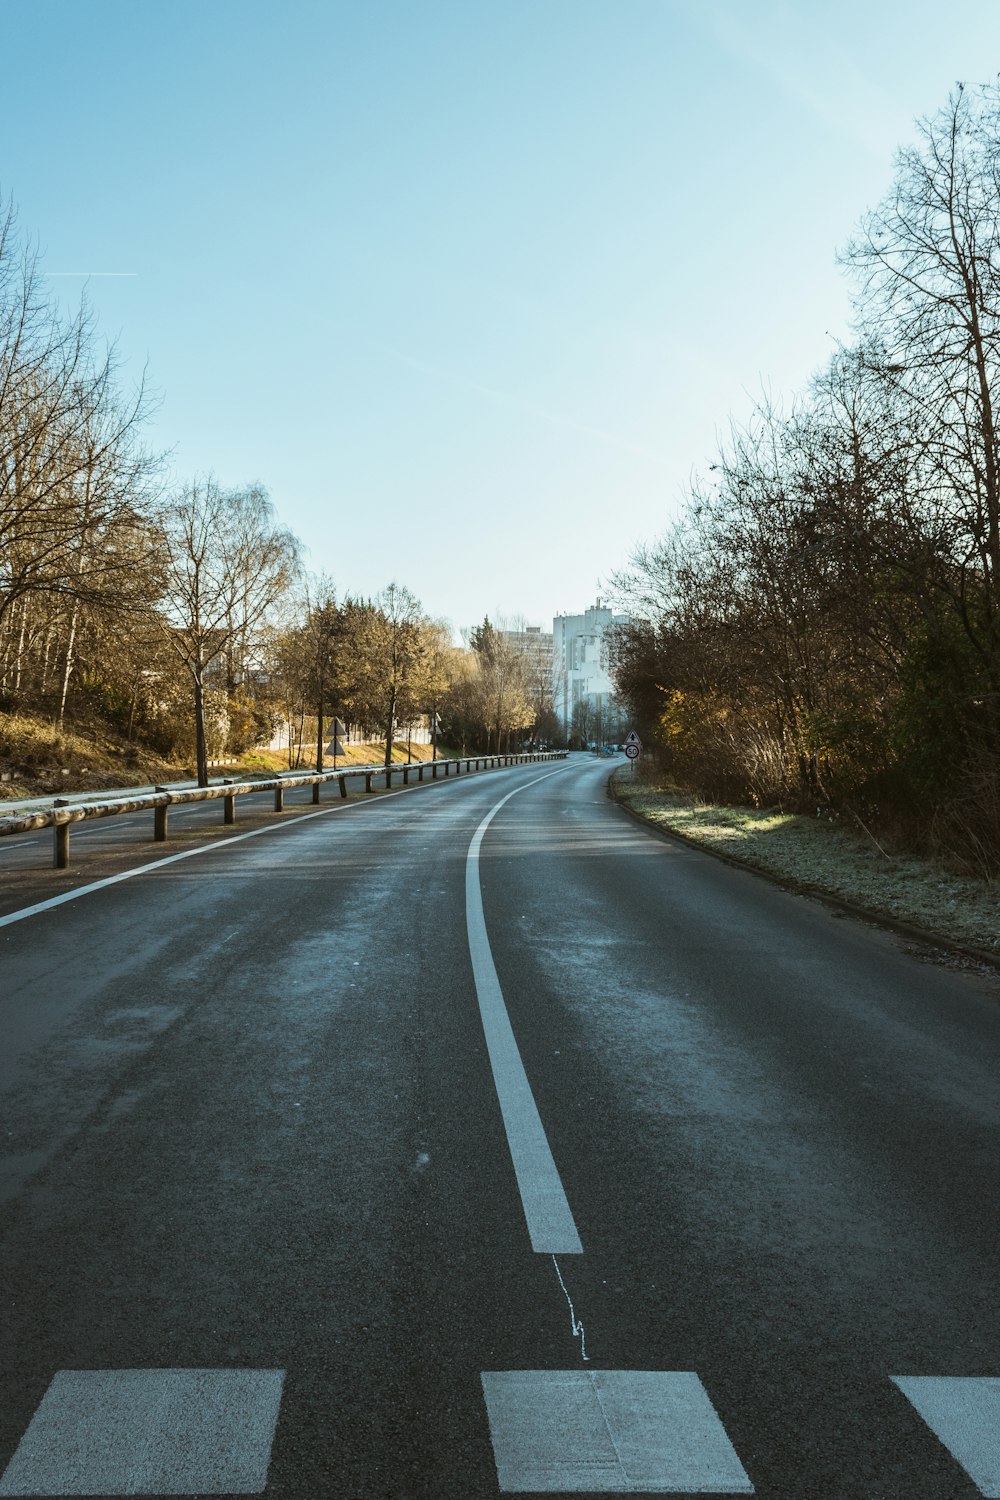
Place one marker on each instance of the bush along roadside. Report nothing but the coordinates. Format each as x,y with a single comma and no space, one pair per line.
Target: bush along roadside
813,855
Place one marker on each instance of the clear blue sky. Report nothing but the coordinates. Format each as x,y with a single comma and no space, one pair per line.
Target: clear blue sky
470,287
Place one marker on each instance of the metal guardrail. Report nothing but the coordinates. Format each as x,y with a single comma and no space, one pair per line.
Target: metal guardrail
63,813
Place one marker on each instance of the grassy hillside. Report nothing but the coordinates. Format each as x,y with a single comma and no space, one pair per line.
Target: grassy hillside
89,756
34,759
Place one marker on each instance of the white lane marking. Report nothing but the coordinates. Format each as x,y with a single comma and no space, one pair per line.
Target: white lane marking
963,1412
156,864
550,1221
149,1432
224,843
608,1432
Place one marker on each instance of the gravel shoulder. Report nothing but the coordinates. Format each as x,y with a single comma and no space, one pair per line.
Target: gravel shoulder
826,859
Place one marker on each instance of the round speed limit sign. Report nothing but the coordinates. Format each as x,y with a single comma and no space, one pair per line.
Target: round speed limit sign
632,751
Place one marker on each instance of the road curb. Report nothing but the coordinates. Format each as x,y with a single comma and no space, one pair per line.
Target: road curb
925,936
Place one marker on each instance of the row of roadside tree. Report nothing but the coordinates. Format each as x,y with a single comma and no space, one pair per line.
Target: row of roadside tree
821,628
182,617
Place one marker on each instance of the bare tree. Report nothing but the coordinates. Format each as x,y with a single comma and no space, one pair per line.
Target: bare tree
396,656
323,633
505,704
226,563
70,466
435,672
928,263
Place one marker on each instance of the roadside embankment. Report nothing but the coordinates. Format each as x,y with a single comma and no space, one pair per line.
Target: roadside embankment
38,761
827,859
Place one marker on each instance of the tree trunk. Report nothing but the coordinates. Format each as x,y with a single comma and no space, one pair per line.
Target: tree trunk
45,661
20,651
200,742
132,708
67,668
389,726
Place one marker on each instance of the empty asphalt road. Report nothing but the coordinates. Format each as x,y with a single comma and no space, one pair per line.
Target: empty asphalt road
475,1140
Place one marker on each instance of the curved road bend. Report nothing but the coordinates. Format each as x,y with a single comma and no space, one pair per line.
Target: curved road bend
278,1219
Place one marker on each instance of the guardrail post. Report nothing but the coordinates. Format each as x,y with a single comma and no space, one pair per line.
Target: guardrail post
458,768
60,839
368,780
228,802
447,767
316,787
434,770
342,783
279,799
420,770
388,777
160,818
406,775
60,852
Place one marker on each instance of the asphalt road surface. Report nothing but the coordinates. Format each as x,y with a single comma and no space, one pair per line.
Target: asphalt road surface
425,1147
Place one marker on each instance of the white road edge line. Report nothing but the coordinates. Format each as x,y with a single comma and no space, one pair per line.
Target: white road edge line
235,838
546,1208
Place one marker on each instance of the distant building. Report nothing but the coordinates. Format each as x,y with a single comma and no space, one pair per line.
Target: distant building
536,647
583,692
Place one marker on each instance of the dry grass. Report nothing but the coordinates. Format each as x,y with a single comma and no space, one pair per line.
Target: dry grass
353,755
828,858
35,761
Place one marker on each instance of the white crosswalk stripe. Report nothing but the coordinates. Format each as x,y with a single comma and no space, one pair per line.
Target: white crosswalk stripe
964,1413
149,1432
210,1432
609,1432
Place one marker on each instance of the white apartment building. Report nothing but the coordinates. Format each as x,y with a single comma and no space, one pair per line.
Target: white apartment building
580,667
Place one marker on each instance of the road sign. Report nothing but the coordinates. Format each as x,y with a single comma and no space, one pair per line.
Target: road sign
632,751
633,739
